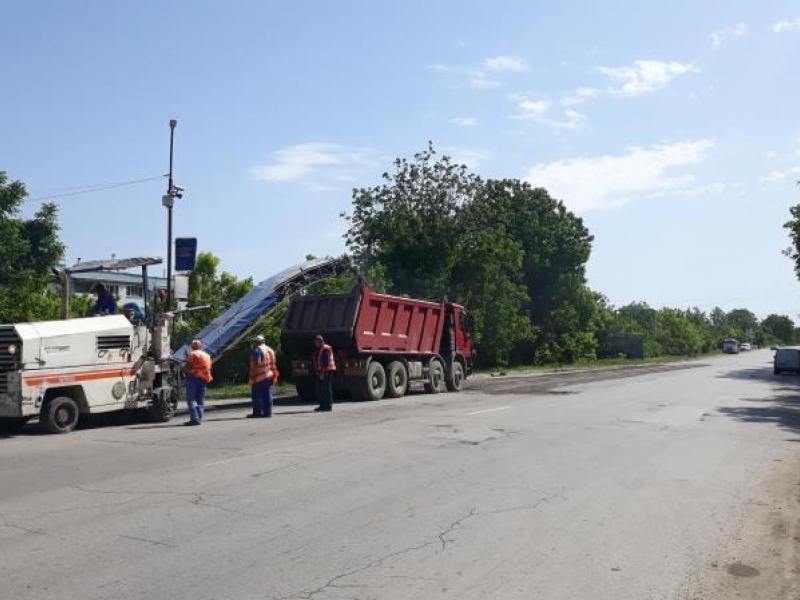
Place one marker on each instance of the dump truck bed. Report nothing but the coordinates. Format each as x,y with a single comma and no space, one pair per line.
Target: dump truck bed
363,321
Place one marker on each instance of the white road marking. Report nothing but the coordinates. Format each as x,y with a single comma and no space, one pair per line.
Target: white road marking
488,410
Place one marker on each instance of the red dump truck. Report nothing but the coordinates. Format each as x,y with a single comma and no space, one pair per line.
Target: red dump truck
382,343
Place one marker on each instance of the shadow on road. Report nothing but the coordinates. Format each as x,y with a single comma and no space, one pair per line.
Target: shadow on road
764,374
781,408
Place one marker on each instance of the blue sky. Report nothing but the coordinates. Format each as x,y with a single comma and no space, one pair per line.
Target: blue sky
671,128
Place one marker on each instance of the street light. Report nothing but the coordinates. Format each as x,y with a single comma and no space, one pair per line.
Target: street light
168,200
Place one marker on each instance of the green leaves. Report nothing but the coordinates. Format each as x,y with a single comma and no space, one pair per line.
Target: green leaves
511,253
30,248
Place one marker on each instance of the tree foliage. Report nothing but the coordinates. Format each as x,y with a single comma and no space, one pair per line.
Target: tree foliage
30,248
511,253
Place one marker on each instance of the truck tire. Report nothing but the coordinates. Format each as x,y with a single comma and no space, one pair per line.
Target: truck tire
60,415
12,424
455,376
306,389
436,376
376,381
396,380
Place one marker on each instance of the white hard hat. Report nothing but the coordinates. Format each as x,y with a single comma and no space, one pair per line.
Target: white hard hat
259,338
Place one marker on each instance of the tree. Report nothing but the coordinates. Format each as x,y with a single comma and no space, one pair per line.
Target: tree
742,324
779,328
793,226
409,224
207,288
30,248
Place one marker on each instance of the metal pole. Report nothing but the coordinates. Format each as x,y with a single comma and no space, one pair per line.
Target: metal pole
170,190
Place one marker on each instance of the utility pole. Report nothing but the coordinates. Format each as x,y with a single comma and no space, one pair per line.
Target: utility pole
168,200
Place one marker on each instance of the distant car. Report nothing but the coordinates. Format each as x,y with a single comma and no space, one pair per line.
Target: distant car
744,346
730,347
787,360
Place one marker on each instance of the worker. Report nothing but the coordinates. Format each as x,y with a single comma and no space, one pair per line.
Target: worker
326,365
105,304
198,375
262,366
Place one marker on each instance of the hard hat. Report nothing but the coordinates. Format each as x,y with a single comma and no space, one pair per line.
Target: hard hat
259,338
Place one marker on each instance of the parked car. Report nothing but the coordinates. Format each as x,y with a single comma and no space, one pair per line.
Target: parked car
744,346
787,360
730,346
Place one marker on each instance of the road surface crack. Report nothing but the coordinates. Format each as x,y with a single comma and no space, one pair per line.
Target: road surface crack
333,583
147,541
453,526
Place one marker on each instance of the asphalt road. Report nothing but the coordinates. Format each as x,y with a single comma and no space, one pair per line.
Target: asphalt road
622,488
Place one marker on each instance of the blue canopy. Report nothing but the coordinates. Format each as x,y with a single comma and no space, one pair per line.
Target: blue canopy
235,323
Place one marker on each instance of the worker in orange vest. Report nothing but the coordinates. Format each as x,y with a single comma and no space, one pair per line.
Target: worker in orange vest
326,367
197,369
262,373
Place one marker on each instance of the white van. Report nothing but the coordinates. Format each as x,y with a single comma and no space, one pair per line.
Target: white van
787,360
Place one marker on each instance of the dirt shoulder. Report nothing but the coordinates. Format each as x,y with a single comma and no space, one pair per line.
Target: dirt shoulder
762,560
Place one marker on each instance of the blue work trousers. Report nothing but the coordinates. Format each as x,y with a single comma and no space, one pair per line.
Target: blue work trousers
261,395
195,397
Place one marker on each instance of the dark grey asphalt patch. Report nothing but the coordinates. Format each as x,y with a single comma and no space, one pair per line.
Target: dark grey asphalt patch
547,383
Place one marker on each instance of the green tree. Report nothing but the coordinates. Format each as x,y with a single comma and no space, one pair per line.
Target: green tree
793,226
779,328
555,247
208,288
409,225
30,248
742,324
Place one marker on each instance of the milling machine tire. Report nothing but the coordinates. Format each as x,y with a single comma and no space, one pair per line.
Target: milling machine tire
162,407
60,415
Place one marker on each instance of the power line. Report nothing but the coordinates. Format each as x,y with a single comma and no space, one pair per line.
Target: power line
88,189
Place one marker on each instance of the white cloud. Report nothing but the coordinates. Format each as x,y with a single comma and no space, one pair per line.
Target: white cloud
540,111
609,181
299,161
723,35
781,177
645,76
514,64
530,108
465,121
784,26
480,80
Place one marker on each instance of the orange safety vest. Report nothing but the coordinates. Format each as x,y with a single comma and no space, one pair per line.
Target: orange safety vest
198,364
331,364
261,369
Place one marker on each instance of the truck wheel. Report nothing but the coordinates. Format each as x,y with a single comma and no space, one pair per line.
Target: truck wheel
396,380
12,424
435,383
306,389
376,381
60,415
455,376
